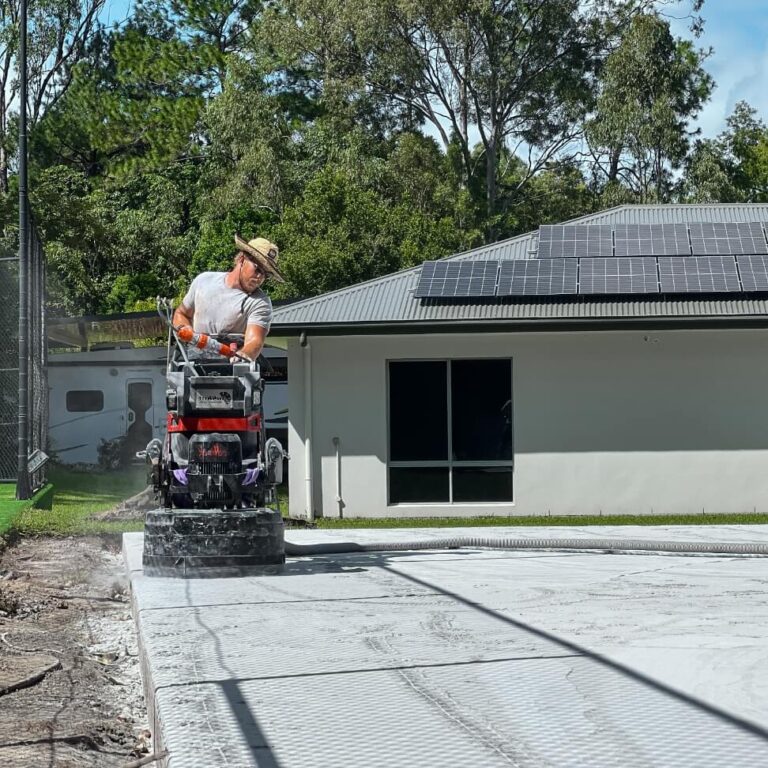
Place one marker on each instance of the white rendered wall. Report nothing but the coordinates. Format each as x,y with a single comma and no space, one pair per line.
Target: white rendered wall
611,422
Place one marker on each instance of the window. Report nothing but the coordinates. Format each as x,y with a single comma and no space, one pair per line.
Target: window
81,400
450,431
275,370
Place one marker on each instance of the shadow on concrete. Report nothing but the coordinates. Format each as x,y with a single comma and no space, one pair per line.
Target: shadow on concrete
248,724
246,720
254,736
578,650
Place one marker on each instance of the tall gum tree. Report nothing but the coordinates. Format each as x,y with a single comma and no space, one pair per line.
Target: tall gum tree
651,87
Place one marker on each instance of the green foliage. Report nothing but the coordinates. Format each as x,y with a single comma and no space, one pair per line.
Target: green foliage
110,245
10,509
215,247
373,209
130,293
709,176
557,193
506,71
733,167
745,143
150,111
334,235
249,153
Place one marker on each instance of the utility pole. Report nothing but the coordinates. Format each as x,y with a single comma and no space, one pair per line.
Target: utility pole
22,481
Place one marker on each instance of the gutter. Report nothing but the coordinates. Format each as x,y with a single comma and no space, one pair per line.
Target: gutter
522,326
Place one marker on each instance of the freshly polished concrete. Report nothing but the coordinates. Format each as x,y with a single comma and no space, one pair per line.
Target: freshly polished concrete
463,657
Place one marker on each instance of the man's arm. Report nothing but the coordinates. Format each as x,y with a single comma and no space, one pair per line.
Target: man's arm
182,316
254,341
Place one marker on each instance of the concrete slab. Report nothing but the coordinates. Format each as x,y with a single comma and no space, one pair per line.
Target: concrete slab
465,657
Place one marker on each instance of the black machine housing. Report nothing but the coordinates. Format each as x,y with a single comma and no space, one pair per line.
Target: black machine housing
214,454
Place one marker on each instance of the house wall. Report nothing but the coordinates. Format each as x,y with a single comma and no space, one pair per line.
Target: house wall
604,422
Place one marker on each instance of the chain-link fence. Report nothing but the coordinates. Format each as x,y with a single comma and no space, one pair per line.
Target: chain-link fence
9,361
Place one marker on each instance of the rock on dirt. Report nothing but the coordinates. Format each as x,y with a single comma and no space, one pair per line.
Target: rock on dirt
70,684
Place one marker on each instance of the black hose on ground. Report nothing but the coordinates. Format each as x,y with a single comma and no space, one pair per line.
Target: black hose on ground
479,542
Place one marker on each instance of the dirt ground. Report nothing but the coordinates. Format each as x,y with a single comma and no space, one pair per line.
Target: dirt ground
70,685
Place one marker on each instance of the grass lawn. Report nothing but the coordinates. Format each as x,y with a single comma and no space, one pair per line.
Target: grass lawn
9,507
77,496
462,522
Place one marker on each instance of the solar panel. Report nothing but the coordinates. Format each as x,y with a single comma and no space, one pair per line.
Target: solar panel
455,279
618,275
652,240
545,277
567,241
727,238
711,274
754,272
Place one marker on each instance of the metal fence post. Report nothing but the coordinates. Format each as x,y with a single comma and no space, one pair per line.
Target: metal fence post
22,480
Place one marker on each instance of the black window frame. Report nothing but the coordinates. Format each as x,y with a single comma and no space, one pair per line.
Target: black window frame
279,370
450,463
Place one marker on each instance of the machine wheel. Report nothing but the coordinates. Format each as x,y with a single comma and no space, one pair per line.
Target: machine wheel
215,542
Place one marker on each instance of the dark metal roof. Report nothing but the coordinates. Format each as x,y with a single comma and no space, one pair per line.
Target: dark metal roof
387,303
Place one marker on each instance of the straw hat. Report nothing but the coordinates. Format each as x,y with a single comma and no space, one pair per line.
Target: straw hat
263,253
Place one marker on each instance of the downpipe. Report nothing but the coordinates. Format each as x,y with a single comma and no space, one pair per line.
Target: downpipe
339,497
610,546
308,485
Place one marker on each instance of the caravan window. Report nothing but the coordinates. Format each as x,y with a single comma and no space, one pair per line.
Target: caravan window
276,370
81,400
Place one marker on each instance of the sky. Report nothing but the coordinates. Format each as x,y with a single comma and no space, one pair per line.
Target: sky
737,30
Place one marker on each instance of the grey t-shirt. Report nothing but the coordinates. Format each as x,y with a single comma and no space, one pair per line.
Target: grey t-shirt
218,309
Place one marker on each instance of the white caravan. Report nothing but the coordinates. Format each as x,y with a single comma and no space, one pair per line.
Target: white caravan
105,394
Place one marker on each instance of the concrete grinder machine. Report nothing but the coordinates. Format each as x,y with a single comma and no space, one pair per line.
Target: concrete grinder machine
214,473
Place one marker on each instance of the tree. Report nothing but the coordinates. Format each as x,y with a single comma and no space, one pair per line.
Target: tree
199,118
734,166
709,175
372,211
138,97
510,73
249,146
652,85
557,193
333,236
111,247
213,29
58,34
746,143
